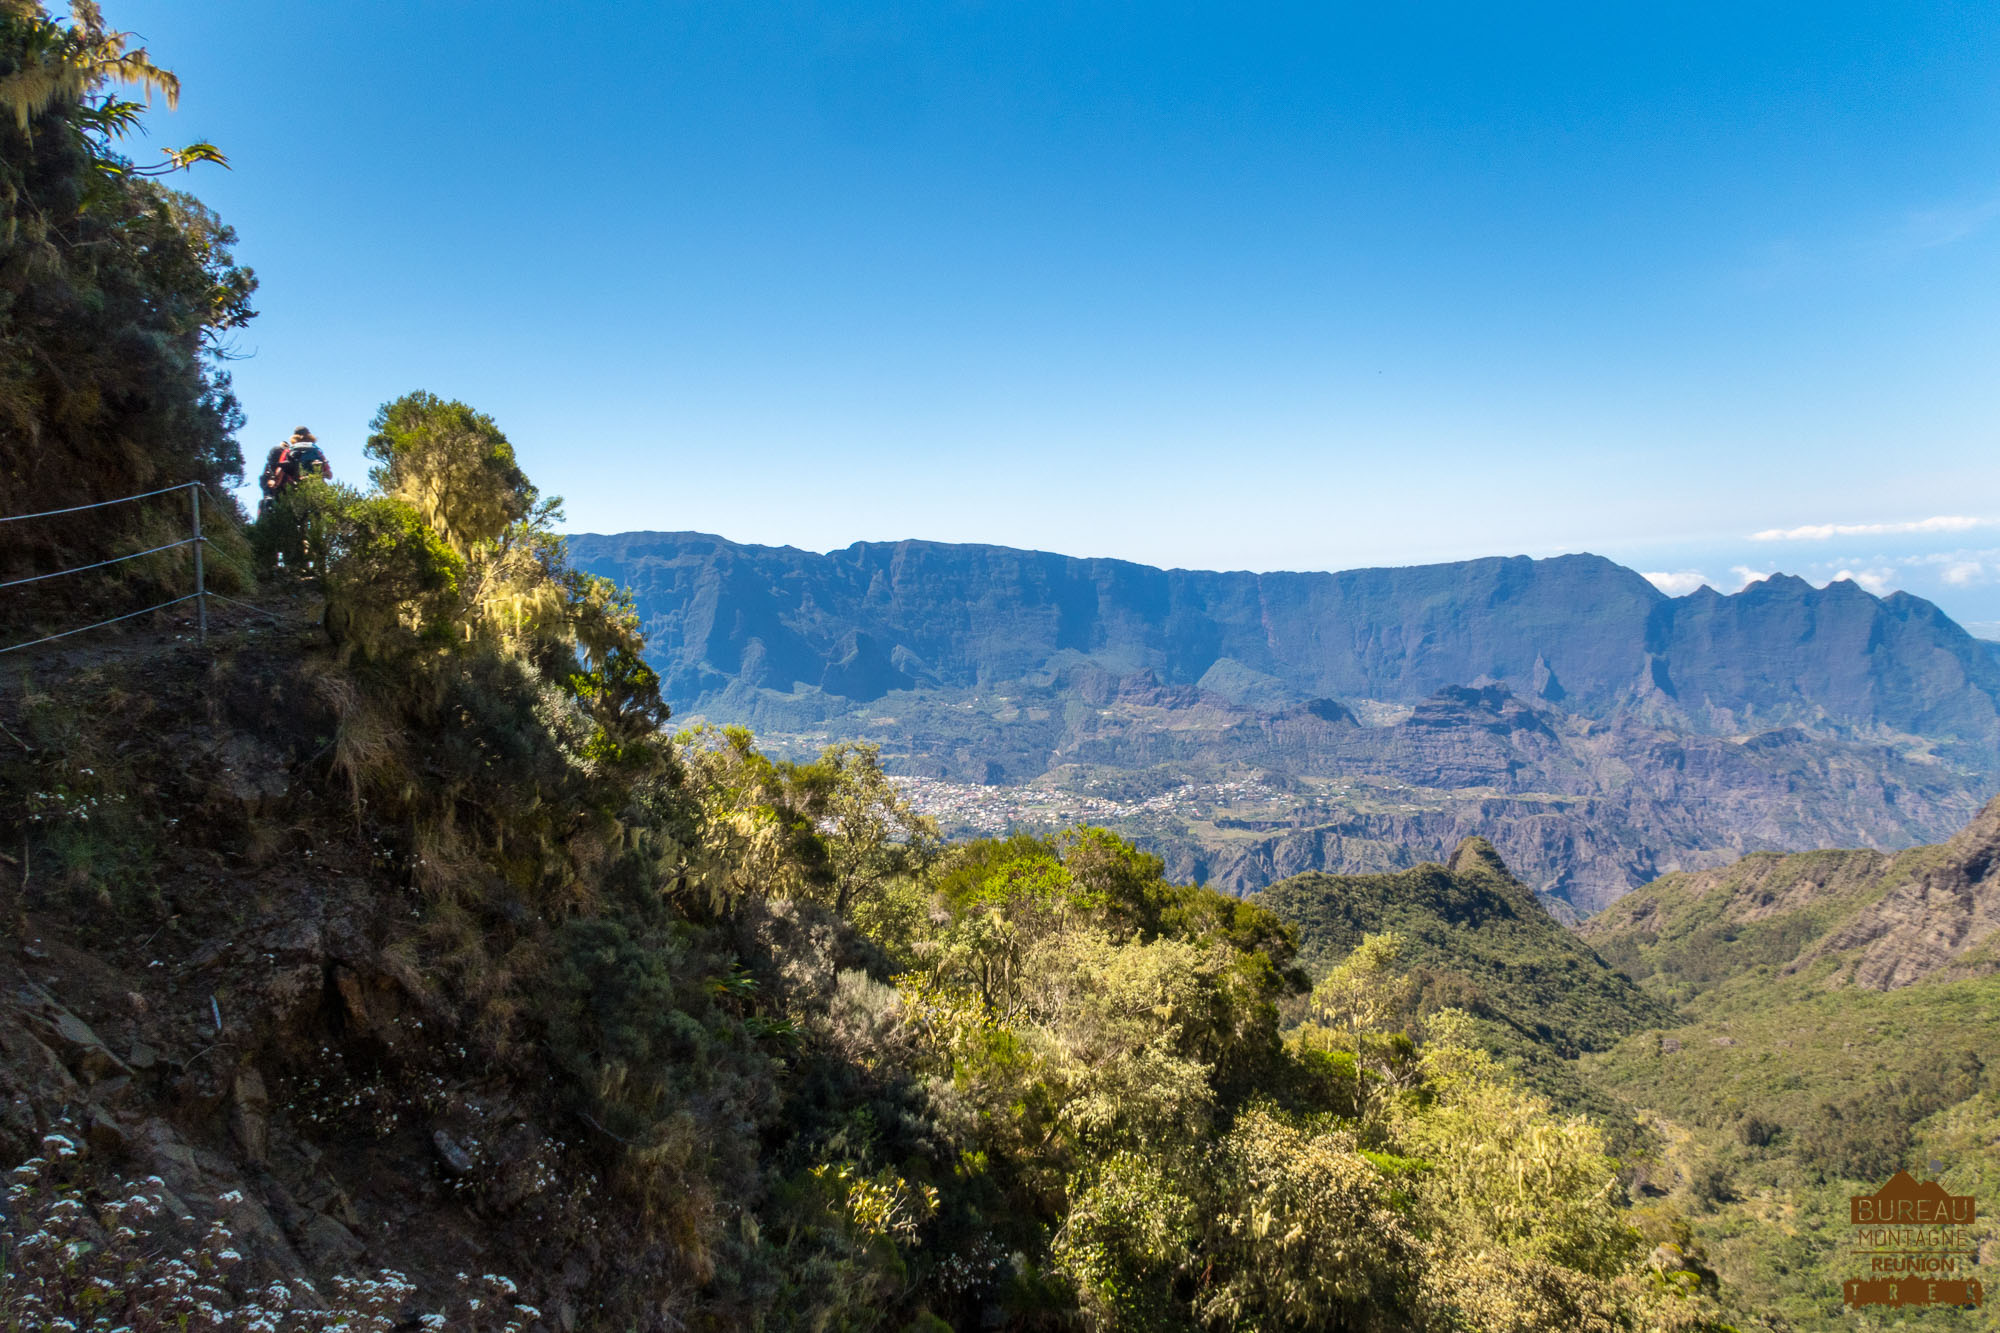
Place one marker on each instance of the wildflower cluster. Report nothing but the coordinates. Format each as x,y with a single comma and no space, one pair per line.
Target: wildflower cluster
79,1260
61,803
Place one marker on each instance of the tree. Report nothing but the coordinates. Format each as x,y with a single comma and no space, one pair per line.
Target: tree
873,836
116,295
59,66
1368,990
453,464
1305,1234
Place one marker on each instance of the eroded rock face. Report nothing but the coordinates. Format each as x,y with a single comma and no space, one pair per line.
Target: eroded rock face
1598,731
879,617
1939,923
1861,918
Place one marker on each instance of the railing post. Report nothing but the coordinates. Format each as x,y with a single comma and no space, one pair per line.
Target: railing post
200,588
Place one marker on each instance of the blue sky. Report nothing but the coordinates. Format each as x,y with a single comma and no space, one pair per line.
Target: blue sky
1230,286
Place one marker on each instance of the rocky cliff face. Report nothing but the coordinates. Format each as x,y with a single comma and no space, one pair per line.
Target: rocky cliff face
1939,922
1577,631
234,1002
1856,918
1596,730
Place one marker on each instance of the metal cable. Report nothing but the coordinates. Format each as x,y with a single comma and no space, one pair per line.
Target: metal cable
37,578
254,610
51,638
77,509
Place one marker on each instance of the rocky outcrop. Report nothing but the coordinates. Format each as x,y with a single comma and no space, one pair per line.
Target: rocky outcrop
1942,922
1859,918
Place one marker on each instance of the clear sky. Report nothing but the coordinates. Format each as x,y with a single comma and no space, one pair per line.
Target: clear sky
1237,286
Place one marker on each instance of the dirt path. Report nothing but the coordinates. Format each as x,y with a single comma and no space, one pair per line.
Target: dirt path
172,635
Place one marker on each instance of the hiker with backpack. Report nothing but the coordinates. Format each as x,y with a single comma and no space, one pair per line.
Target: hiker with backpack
283,533
290,463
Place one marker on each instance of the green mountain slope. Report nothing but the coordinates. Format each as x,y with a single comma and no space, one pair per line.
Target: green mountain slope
1762,1040
1475,938
1848,917
1838,1020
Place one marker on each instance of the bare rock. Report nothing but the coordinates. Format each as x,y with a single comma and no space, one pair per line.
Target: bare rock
81,1049
289,989
1929,924
329,1244
353,1000
249,1116
107,1135
456,1160
521,1166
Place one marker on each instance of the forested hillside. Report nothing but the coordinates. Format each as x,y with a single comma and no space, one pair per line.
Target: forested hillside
1467,935
441,956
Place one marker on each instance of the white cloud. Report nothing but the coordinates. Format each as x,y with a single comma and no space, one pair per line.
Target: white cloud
1748,576
1822,531
1983,629
1678,583
1874,580
1964,573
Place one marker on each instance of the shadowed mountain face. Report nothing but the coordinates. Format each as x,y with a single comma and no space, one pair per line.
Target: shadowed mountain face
1577,631
1597,730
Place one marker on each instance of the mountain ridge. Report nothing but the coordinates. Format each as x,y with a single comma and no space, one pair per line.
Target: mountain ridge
1596,729
872,618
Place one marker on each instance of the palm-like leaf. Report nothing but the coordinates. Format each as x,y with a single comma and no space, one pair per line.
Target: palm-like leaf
67,63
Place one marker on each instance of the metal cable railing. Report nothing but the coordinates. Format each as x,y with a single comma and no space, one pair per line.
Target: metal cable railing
199,596
116,559
99,504
51,638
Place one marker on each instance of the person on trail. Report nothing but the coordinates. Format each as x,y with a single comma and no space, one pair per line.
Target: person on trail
289,463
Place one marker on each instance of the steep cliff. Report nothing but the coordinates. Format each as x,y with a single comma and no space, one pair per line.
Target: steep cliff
1599,732
1578,631
1857,918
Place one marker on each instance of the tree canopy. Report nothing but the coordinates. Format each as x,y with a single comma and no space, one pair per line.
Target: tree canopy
117,295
